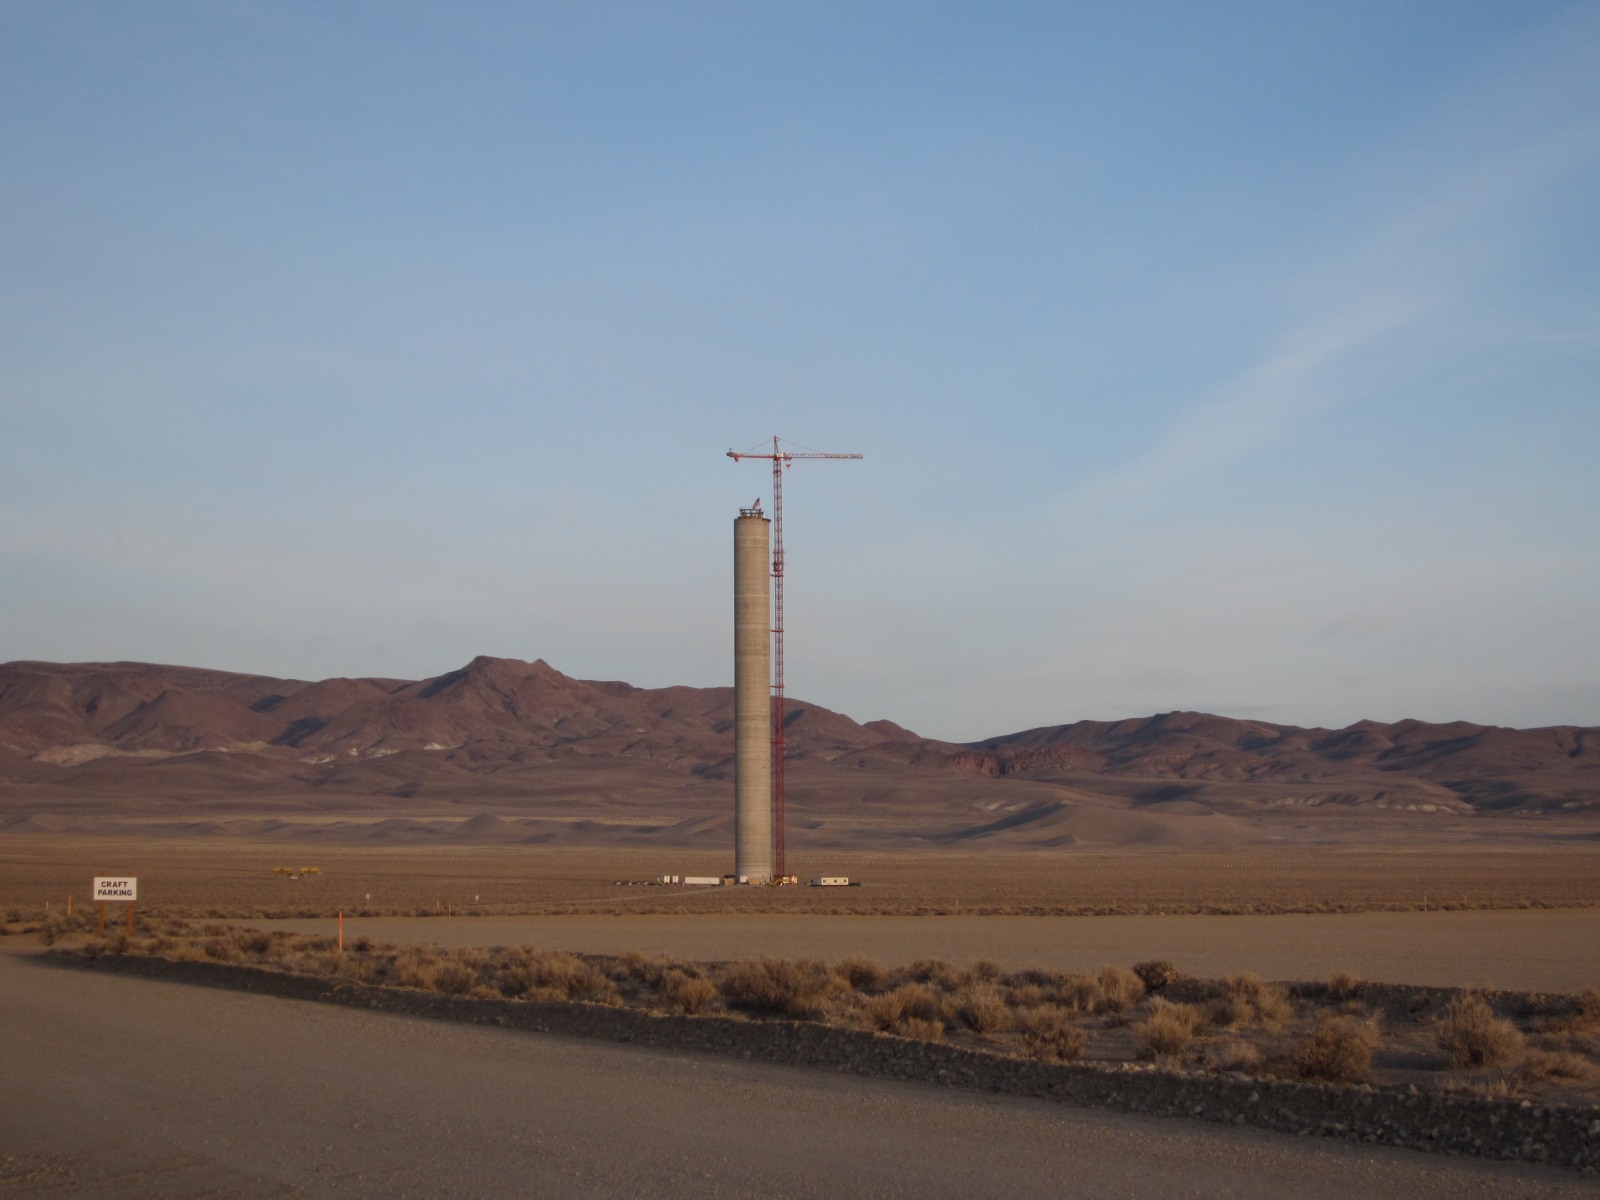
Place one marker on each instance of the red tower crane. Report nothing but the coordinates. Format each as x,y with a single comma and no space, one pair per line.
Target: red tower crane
781,460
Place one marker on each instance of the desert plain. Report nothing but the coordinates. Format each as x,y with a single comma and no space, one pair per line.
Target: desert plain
507,805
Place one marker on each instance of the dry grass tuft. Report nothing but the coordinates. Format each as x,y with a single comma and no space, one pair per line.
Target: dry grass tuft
1234,1056
1168,1029
1472,1036
1494,1087
1337,1050
1563,1066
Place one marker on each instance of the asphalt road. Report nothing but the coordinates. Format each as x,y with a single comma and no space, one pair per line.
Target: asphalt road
123,1087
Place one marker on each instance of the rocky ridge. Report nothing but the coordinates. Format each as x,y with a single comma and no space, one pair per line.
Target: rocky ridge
502,727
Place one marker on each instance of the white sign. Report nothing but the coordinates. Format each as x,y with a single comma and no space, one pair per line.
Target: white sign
118,887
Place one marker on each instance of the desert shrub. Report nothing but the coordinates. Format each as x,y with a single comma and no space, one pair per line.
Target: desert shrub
1167,1030
1472,1036
1028,995
1029,977
680,992
455,977
634,970
1560,1065
415,969
369,968
362,945
1156,973
1337,1050
1245,1057
1079,992
180,950
1050,1032
984,970
920,1030
1248,999
471,956
221,949
981,1008
863,973
1343,984
932,971
94,947
1497,1087
254,941
908,1002
789,987
1589,1009
1120,990
546,975
631,964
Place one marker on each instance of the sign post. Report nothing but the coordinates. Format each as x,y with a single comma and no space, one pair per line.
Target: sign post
115,889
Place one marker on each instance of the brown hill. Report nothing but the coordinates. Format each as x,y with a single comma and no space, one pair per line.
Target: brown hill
1409,763
557,757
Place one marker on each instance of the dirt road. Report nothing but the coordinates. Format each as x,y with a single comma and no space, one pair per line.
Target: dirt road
115,1086
1526,950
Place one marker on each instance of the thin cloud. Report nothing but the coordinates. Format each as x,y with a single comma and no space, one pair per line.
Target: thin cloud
1534,123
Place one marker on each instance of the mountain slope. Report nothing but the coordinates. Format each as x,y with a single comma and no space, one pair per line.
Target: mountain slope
501,731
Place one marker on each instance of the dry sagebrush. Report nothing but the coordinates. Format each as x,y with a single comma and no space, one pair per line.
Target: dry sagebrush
1337,1050
1472,1036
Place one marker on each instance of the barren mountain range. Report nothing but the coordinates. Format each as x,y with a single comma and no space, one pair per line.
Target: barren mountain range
533,754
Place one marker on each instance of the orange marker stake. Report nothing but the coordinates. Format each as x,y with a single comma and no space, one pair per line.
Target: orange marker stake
69,904
341,929
102,916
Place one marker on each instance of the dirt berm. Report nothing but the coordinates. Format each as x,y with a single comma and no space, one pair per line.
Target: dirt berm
1451,1124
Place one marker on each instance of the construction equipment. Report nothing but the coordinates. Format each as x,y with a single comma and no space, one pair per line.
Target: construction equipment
782,460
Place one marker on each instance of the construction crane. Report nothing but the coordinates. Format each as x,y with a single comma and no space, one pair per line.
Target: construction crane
781,461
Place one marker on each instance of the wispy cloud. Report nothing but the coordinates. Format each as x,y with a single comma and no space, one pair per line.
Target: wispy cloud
1465,171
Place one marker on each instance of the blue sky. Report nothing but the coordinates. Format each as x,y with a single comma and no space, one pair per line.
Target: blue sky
1241,357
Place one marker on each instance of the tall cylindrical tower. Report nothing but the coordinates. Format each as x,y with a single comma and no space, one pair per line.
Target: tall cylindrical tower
752,696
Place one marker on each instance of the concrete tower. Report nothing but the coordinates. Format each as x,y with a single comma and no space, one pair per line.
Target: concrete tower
752,696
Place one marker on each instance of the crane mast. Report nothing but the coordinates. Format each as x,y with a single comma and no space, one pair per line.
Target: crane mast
781,460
